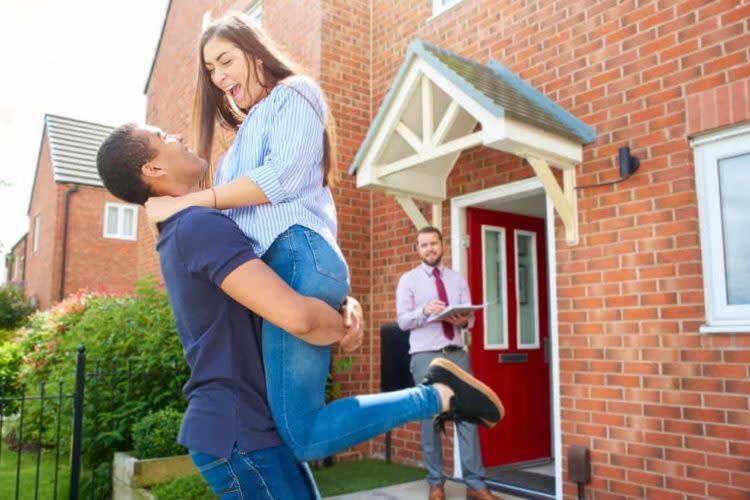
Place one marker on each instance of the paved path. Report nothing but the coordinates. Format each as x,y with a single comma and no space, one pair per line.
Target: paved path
416,490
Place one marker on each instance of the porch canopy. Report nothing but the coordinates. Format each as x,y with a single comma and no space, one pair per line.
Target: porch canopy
441,104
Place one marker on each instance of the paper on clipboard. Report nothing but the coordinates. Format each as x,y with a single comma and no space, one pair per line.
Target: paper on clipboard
455,309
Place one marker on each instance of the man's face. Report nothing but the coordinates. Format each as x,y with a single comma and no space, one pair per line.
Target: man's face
176,159
430,248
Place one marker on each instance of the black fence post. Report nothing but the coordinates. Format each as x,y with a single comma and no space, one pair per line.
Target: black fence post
20,439
57,439
39,440
75,464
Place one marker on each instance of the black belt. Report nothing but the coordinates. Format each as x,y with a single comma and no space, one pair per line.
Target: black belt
448,348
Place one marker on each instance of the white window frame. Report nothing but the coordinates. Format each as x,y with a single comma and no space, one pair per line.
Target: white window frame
255,12
440,6
121,208
486,228
533,292
721,317
37,232
16,262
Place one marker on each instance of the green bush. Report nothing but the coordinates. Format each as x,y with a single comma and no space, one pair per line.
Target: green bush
10,376
14,308
6,335
155,435
135,366
185,488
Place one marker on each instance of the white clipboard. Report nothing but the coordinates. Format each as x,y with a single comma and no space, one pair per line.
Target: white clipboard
455,309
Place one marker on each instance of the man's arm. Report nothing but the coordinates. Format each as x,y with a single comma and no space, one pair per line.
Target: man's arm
352,313
410,315
255,286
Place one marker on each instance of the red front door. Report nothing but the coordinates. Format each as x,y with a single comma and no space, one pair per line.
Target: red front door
508,271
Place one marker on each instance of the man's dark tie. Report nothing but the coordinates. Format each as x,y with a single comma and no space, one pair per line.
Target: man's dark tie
443,296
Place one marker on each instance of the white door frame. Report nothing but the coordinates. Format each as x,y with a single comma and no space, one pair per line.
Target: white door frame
459,240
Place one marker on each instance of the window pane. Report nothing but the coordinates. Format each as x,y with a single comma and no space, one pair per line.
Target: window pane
127,222
526,277
255,13
494,283
734,178
111,222
37,222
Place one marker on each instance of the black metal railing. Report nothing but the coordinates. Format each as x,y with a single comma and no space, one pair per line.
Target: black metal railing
92,415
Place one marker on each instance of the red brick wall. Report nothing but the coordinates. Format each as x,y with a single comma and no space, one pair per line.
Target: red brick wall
720,106
42,265
94,262
344,76
663,409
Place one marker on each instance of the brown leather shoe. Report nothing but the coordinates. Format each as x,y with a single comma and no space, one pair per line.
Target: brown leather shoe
483,494
437,492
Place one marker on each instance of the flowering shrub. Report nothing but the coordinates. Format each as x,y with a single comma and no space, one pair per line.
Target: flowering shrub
131,343
45,330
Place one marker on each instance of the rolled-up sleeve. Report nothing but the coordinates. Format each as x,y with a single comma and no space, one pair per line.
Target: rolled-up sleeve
409,313
295,142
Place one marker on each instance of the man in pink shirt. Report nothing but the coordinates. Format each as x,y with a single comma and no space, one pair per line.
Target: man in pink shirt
422,292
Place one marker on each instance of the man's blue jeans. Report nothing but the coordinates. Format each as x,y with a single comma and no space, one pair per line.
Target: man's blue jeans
296,371
267,474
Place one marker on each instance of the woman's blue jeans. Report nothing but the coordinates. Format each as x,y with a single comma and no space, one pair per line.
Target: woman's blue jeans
296,371
267,474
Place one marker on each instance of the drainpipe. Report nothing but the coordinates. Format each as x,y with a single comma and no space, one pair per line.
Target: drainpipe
23,264
68,196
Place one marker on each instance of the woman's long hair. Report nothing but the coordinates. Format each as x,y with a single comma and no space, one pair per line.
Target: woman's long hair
211,105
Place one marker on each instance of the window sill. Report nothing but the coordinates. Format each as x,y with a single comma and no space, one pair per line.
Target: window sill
724,328
437,14
120,237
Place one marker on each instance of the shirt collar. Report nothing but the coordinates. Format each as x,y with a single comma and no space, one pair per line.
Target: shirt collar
428,269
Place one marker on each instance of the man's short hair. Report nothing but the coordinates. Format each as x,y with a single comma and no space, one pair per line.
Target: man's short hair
430,230
119,163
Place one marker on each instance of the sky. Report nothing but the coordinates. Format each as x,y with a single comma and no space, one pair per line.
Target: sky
84,59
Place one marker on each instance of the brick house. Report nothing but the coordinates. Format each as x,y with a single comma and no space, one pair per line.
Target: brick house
80,237
618,315
15,263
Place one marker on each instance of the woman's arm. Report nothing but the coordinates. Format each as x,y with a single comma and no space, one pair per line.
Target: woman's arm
237,193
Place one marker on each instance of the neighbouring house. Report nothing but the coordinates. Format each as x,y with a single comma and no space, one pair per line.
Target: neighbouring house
15,263
80,236
587,163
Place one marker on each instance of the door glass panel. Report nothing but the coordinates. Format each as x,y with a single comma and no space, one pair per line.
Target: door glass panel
526,293
734,177
494,280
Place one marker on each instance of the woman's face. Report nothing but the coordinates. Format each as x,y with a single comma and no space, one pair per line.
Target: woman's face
231,73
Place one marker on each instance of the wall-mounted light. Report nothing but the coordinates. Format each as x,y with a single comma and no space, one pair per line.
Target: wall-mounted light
628,165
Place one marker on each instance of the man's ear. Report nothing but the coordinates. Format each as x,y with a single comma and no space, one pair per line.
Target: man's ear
153,169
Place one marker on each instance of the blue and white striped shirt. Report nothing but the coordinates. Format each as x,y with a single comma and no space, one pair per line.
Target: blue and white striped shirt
280,147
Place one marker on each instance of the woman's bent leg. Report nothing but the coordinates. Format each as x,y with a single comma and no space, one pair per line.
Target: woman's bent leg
296,371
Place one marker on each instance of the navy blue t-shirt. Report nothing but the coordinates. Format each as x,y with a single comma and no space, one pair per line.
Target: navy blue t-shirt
226,393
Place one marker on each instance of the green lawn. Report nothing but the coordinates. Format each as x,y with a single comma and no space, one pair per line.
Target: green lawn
343,477
347,477
8,467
